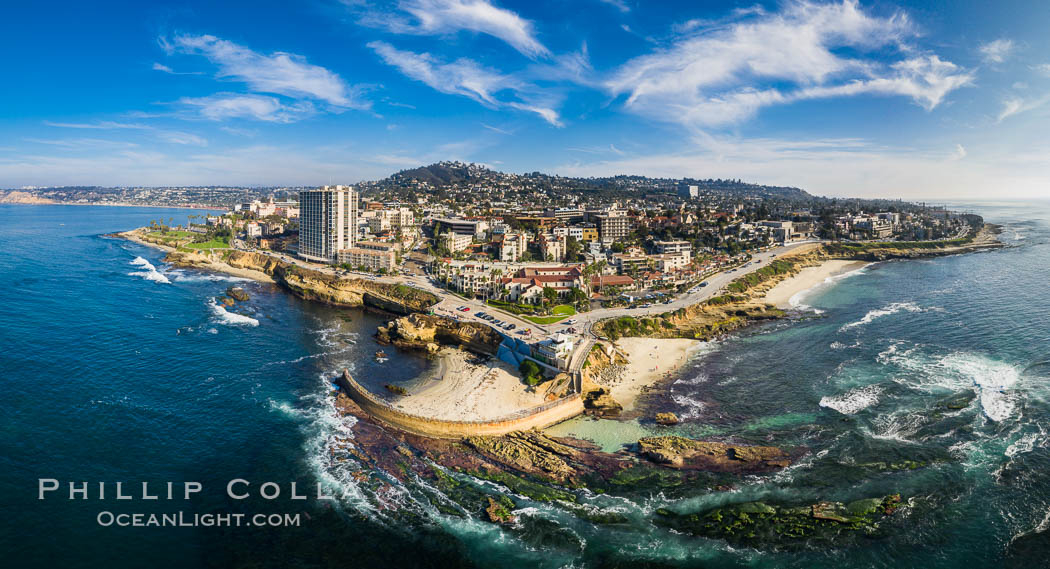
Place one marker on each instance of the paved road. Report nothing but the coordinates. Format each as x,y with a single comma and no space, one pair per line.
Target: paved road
450,303
715,286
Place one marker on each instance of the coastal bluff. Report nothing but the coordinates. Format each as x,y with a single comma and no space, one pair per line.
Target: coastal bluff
310,284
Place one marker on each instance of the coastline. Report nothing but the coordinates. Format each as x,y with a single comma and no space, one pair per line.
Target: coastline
650,360
205,264
808,278
44,201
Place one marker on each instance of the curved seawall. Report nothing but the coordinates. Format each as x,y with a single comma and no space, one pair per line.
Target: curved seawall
533,418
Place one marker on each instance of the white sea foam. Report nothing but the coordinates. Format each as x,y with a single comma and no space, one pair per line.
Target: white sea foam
887,310
185,277
994,382
223,316
899,426
149,272
991,379
853,400
694,407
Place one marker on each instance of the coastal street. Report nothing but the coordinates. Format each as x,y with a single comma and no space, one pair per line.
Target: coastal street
450,304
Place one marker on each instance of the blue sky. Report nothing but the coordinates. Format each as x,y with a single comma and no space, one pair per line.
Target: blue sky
872,98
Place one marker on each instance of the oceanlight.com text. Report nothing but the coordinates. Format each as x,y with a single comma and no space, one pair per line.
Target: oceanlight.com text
182,519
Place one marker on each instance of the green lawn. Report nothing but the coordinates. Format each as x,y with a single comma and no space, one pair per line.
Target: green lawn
171,237
560,312
213,244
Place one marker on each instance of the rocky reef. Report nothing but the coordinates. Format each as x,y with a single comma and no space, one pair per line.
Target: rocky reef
429,332
758,523
680,452
486,477
311,284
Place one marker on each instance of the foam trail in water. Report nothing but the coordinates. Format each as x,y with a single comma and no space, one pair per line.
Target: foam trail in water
224,316
854,400
149,272
893,308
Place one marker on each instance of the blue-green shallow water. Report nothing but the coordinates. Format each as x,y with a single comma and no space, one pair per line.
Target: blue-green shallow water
111,376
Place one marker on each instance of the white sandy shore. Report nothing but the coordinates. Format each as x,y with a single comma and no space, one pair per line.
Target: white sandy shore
807,278
650,359
463,391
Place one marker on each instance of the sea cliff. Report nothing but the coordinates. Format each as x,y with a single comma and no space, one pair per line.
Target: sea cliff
312,284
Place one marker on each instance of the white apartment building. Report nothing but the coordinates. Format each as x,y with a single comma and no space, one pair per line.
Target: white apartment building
512,247
613,226
456,242
553,246
373,256
327,222
670,262
663,247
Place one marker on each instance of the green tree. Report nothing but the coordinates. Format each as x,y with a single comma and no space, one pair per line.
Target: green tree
573,249
531,372
549,294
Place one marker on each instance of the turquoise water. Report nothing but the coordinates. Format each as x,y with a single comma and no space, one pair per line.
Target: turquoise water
111,373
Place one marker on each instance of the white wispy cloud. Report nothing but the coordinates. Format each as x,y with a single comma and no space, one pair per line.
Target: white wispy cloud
724,73
996,51
83,143
450,16
1042,68
461,77
173,136
223,106
179,137
496,129
279,73
1016,105
467,78
99,125
620,5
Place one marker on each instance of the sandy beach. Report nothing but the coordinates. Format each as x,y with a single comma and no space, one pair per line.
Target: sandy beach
651,359
465,391
807,278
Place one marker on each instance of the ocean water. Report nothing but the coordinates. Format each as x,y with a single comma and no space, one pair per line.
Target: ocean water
116,367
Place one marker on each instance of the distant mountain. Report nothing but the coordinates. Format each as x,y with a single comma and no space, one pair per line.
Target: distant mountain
444,173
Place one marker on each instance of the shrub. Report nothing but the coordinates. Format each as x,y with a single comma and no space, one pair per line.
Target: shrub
531,371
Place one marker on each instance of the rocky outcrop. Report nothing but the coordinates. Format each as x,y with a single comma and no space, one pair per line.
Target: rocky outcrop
313,284
237,293
599,402
499,510
680,452
666,419
426,331
530,452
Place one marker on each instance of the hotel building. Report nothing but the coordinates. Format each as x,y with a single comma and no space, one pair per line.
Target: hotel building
327,222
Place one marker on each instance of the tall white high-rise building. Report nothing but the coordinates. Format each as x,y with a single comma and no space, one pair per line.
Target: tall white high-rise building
327,222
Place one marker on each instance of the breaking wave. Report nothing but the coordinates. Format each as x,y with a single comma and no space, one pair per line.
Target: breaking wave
148,272
223,316
887,310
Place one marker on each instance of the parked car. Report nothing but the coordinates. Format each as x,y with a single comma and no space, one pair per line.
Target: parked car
511,326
